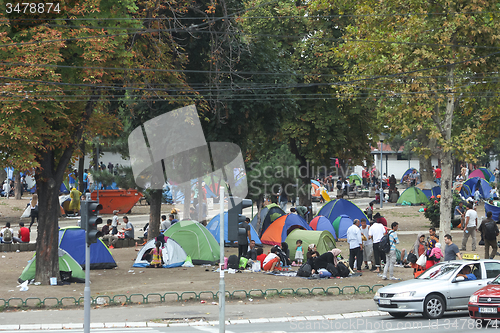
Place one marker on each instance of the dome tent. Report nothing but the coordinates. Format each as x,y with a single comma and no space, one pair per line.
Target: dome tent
333,209
323,240
173,254
321,223
470,185
281,228
196,240
413,195
268,215
214,228
341,224
66,264
72,240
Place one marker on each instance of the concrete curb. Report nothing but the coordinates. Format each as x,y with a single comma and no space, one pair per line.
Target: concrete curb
187,324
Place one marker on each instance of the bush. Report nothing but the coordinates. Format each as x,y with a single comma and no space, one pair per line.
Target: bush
433,209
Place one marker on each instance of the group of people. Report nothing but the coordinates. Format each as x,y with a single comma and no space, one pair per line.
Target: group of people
7,235
110,230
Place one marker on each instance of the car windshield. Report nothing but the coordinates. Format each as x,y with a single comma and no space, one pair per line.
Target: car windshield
497,280
439,272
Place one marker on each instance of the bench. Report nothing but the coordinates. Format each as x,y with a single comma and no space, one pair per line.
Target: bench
22,247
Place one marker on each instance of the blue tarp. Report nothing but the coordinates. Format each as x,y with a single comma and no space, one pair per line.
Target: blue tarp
213,227
493,209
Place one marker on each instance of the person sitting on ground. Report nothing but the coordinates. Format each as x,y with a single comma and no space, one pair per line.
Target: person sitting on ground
286,252
272,261
128,229
310,249
7,234
467,273
165,224
23,235
107,233
261,257
252,251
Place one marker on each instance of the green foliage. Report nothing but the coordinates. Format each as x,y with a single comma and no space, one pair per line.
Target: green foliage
124,177
432,210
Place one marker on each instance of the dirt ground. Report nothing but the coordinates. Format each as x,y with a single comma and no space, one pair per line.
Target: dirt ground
125,280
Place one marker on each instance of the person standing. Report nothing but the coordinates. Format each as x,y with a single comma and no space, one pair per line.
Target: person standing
376,232
74,204
355,245
115,222
489,231
469,227
33,210
451,252
283,199
432,235
391,256
437,173
244,237
367,244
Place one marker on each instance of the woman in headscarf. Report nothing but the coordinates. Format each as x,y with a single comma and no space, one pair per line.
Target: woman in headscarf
431,245
310,250
418,249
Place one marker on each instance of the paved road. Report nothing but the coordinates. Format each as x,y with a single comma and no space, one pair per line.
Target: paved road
348,323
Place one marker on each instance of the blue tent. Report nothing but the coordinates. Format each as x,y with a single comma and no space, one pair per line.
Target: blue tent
470,185
213,227
72,240
436,190
321,223
341,224
493,209
268,215
407,172
333,209
62,189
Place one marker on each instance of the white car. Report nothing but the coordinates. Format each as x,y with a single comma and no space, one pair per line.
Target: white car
438,289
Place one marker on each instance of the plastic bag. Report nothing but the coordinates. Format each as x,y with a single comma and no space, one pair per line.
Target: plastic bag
422,260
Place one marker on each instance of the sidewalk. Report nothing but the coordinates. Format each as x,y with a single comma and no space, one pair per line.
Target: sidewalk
121,316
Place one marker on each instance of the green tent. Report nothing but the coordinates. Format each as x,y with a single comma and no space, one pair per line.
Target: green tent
66,264
357,179
412,195
196,240
323,239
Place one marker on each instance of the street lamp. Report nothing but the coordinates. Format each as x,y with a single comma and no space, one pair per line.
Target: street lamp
381,189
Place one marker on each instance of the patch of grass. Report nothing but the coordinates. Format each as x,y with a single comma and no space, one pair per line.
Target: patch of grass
17,209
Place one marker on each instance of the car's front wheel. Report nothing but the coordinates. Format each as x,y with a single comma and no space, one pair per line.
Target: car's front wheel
398,314
434,307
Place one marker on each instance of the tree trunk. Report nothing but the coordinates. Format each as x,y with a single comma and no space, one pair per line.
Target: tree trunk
447,162
17,186
154,214
304,191
446,193
81,165
48,228
425,167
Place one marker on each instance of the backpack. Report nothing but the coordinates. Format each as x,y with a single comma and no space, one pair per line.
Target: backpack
7,235
342,269
490,230
385,244
304,270
233,262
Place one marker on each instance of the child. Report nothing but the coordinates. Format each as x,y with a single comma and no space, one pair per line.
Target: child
157,258
272,261
261,257
299,252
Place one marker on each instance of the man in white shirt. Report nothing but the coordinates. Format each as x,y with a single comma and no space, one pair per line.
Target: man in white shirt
355,245
376,233
367,244
469,227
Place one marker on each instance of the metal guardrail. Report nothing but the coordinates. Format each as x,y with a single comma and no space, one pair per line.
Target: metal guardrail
36,302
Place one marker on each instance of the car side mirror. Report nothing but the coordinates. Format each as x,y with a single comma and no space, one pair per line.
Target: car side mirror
459,278
489,282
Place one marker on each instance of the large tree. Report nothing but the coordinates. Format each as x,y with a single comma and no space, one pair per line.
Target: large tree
54,75
426,65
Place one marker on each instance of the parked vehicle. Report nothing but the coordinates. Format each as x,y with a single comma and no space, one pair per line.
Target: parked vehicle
438,289
485,303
